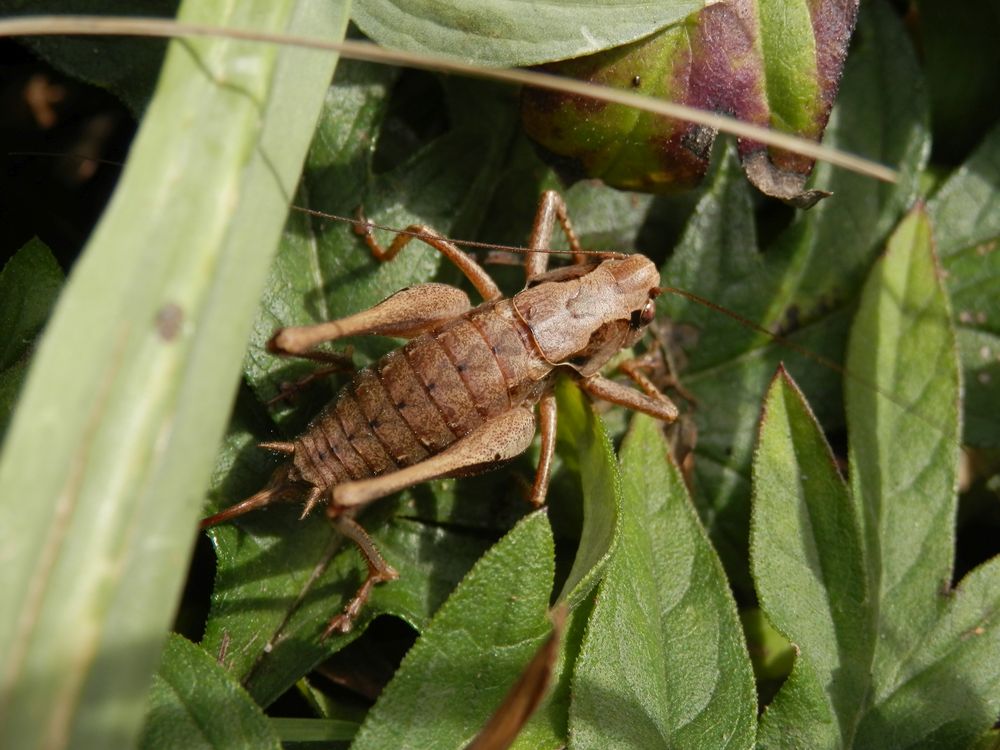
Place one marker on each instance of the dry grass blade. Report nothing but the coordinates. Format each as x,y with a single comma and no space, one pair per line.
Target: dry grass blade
525,695
157,27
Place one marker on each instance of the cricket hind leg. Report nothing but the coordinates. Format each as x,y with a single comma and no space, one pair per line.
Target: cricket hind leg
407,313
379,571
497,440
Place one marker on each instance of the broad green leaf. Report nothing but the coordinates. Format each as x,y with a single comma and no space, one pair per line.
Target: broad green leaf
514,32
292,731
944,693
473,650
808,563
964,208
194,703
904,451
29,284
966,218
802,283
112,442
582,433
902,662
671,668
586,451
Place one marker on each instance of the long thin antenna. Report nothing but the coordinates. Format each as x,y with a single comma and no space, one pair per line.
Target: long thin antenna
357,222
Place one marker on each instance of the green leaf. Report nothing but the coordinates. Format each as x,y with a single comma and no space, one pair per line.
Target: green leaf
966,218
189,695
514,32
808,563
887,656
802,282
904,447
293,731
581,433
904,451
473,650
29,284
964,208
671,668
944,692
113,440
585,449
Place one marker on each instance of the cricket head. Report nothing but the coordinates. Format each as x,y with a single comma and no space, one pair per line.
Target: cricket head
583,315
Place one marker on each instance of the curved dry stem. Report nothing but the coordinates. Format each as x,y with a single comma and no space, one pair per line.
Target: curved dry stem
355,50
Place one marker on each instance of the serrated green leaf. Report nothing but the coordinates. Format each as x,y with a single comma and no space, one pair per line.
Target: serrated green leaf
113,439
582,433
945,691
514,32
189,696
904,448
671,668
965,213
473,650
585,449
931,672
804,281
808,564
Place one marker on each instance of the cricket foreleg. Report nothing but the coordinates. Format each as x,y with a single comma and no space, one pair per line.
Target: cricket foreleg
407,313
498,439
653,403
379,571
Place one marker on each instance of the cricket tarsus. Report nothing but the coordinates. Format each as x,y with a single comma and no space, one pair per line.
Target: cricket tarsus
460,397
379,571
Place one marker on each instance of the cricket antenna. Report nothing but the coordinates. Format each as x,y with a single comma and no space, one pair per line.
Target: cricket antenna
787,343
362,224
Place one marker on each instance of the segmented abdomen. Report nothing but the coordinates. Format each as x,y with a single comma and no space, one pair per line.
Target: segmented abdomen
417,400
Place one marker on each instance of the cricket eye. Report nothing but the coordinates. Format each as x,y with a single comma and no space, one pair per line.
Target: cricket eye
648,313
643,317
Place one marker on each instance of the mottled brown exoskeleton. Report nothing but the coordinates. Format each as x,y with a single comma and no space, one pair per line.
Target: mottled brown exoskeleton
461,396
